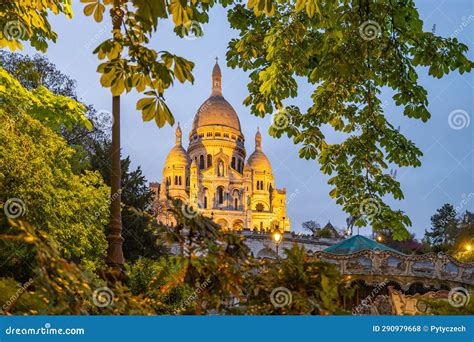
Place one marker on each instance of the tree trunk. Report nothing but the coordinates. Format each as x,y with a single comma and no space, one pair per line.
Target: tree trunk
115,258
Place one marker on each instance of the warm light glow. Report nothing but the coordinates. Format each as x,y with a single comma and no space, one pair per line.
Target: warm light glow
379,238
469,248
277,237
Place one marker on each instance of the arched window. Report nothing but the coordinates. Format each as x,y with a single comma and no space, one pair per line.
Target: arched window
233,163
238,164
220,195
180,180
259,207
175,180
236,196
201,162
205,193
209,160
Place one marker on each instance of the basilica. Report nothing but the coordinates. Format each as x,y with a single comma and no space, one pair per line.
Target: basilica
215,176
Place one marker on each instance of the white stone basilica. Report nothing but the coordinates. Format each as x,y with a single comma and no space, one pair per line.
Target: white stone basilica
214,174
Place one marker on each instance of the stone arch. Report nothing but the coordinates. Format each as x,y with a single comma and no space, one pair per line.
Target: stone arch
238,224
266,253
223,223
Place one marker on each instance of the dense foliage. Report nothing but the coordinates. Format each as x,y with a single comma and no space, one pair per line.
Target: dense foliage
93,151
56,286
212,273
444,228
36,173
451,232
27,20
348,51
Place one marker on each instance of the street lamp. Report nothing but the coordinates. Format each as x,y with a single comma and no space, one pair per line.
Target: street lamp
277,238
468,248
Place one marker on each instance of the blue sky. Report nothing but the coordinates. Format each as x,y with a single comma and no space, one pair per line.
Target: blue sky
448,162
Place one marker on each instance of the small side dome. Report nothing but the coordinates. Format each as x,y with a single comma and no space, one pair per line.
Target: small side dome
258,160
177,155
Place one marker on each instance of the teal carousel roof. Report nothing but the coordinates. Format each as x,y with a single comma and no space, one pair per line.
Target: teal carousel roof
357,243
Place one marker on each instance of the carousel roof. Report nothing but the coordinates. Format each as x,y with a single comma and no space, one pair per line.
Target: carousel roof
357,243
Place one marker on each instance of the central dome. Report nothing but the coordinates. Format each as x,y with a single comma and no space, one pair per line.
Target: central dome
216,111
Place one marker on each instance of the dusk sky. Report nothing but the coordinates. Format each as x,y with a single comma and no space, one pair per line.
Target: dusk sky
447,170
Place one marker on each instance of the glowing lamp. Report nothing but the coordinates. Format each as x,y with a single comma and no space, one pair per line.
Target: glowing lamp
277,237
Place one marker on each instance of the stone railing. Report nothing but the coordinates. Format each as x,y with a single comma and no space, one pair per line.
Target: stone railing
290,237
429,269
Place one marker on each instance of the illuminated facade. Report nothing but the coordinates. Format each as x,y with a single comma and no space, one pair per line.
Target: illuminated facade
214,174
